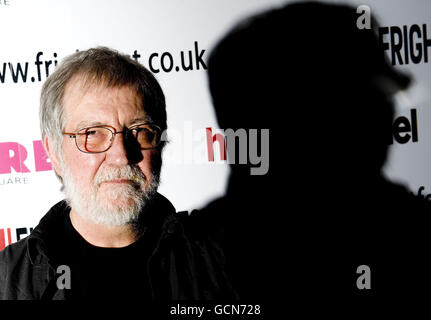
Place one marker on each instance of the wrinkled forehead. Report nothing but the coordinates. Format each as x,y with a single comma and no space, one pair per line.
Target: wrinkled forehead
81,94
84,82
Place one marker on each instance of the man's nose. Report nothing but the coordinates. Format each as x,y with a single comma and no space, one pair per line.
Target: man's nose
117,153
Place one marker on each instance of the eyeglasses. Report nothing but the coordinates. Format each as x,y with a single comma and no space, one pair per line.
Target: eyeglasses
99,139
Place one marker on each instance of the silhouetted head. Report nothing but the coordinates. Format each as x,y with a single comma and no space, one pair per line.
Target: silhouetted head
321,85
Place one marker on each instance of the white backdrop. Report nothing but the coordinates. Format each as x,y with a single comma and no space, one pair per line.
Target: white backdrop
48,30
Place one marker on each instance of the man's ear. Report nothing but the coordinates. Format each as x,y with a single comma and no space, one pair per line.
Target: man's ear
50,151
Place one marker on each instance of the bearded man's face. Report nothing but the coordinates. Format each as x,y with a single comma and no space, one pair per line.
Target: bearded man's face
109,187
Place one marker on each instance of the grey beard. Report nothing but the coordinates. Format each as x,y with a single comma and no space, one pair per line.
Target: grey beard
133,198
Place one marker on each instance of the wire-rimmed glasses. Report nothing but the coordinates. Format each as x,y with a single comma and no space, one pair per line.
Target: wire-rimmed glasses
97,139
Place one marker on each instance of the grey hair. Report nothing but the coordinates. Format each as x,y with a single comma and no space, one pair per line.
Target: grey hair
102,66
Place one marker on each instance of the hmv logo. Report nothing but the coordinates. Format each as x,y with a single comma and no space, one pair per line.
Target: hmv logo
241,147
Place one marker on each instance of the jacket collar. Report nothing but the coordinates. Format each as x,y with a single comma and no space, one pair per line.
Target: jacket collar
48,231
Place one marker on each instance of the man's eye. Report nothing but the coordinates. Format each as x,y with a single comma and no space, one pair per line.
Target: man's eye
135,131
90,133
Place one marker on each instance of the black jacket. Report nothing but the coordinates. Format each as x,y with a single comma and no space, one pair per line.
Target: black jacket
186,263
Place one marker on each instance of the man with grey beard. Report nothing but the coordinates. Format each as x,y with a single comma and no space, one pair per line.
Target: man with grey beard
114,237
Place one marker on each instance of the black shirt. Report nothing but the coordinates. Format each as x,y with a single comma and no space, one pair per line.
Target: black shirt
99,273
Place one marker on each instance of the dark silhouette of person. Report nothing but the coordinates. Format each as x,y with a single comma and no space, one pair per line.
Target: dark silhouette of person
324,90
